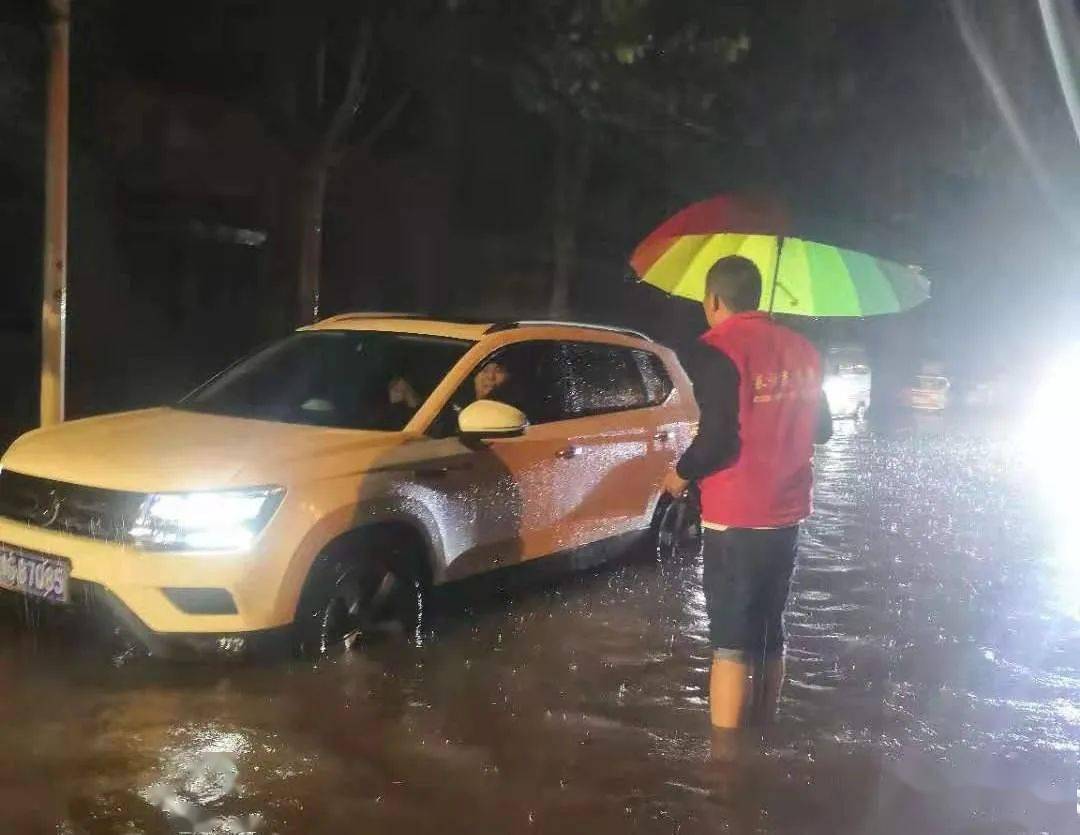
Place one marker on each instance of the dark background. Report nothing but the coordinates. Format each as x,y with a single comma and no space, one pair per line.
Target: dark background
507,156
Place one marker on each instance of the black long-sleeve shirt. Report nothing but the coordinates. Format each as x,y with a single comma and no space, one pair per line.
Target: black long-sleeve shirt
716,387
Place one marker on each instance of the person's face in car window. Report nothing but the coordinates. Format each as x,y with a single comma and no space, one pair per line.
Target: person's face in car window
489,378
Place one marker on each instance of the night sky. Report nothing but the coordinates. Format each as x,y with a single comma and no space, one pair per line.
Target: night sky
500,144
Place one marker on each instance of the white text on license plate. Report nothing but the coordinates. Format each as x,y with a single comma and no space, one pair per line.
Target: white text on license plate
33,575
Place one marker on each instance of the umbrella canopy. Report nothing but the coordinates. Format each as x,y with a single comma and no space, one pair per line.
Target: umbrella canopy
800,277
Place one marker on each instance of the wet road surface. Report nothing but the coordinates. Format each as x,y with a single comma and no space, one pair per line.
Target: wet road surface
935,687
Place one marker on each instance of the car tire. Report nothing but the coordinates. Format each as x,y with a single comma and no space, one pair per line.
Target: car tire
860,412
350,596
677,529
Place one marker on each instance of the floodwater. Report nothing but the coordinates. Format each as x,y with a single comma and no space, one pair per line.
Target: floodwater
934,688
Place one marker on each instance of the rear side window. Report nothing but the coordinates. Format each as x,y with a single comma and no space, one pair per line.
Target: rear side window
602,378
536,372
657,381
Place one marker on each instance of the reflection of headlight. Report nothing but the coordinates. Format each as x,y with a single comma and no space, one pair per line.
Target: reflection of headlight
220,521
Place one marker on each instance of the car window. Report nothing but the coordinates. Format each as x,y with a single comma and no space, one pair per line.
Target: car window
657,381
346,379
603,378
530,379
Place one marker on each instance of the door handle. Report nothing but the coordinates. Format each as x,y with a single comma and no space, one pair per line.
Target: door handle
568,452
663,436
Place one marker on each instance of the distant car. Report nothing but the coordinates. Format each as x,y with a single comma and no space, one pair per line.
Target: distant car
928,393
317,487
848,391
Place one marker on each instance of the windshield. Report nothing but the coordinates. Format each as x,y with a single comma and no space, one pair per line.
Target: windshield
346,379
932,383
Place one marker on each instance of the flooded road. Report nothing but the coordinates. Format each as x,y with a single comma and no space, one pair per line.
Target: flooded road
935,687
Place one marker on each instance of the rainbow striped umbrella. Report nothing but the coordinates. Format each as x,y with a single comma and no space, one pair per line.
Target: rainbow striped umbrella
801,277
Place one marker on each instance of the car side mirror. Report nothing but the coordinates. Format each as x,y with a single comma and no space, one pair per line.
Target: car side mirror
491,419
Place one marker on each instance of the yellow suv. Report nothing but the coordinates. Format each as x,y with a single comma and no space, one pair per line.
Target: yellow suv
320,484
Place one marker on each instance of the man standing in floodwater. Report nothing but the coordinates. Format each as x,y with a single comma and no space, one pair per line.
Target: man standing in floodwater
758,385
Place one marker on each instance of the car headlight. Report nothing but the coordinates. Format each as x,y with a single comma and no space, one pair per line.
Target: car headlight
227,520
838,390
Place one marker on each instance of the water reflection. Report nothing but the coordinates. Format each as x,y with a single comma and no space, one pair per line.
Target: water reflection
935,688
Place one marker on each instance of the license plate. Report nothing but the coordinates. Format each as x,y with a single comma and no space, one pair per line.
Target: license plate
34,575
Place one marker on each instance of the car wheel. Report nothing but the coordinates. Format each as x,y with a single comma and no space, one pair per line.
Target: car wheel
677,529
860,412
355,596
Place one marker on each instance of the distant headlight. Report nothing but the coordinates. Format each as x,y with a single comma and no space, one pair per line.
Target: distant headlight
228,520
839,391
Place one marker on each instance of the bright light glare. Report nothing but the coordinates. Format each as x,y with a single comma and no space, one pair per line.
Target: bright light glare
220,521
841,393
1051,447
206,510
1050,439
839,389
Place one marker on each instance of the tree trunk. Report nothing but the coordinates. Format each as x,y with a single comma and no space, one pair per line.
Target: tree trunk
572,159
564,243
313,176
312,198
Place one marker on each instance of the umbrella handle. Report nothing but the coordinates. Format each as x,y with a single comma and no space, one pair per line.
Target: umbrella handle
776,272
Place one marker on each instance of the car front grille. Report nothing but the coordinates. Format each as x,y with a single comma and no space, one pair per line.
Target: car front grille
68,508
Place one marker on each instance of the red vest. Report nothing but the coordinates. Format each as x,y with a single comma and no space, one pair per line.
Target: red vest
769,481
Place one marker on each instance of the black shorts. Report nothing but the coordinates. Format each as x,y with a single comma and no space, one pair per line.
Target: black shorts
747,578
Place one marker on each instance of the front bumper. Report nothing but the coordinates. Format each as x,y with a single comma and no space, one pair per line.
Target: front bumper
98,606
139,587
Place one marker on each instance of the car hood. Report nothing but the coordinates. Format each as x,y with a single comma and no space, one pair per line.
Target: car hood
172,449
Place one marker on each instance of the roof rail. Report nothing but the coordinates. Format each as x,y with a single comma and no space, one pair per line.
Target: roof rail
374,314
523,323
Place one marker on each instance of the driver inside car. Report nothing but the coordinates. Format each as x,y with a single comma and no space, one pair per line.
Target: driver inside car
491,380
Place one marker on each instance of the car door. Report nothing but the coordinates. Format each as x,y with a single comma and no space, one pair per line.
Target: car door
622,447
503,501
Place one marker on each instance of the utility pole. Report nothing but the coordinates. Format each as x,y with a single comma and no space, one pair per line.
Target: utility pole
54,259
